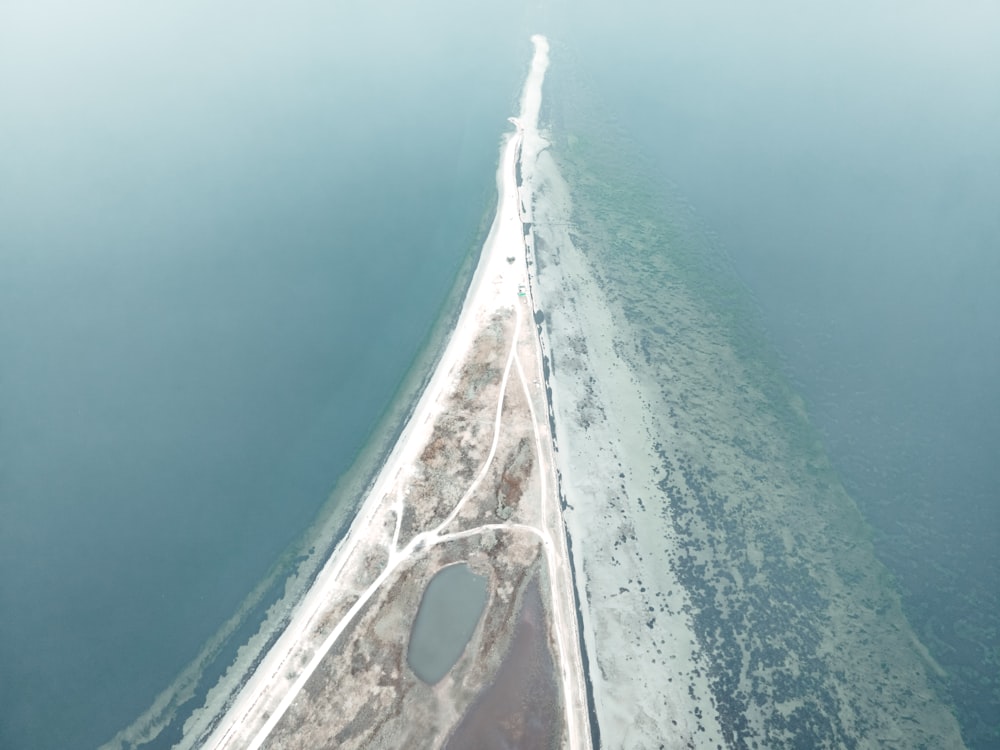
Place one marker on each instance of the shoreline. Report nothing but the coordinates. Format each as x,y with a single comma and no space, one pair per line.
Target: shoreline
357,481
308,610
164,720
496,284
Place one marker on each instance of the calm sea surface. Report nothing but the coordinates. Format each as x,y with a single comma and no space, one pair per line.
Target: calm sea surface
224,237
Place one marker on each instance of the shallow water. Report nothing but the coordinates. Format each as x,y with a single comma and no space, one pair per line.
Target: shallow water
733,592
841,163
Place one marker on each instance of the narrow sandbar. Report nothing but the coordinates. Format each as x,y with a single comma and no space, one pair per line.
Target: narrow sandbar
485,409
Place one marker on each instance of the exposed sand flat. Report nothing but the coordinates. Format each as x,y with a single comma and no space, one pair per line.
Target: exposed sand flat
484,408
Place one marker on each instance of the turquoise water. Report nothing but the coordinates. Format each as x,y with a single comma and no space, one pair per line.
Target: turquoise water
844,159
224,237
449,612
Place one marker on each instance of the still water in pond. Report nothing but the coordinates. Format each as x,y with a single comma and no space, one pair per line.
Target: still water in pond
449,612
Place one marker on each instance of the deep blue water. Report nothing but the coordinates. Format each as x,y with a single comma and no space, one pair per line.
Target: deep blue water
225,234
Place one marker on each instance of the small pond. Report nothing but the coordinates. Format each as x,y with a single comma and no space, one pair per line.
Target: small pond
449,612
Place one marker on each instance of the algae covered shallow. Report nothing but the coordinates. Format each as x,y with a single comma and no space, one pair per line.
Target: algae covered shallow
843,158
227,251
725,557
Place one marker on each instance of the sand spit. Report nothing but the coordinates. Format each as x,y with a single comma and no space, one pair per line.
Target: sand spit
732,596
471,479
